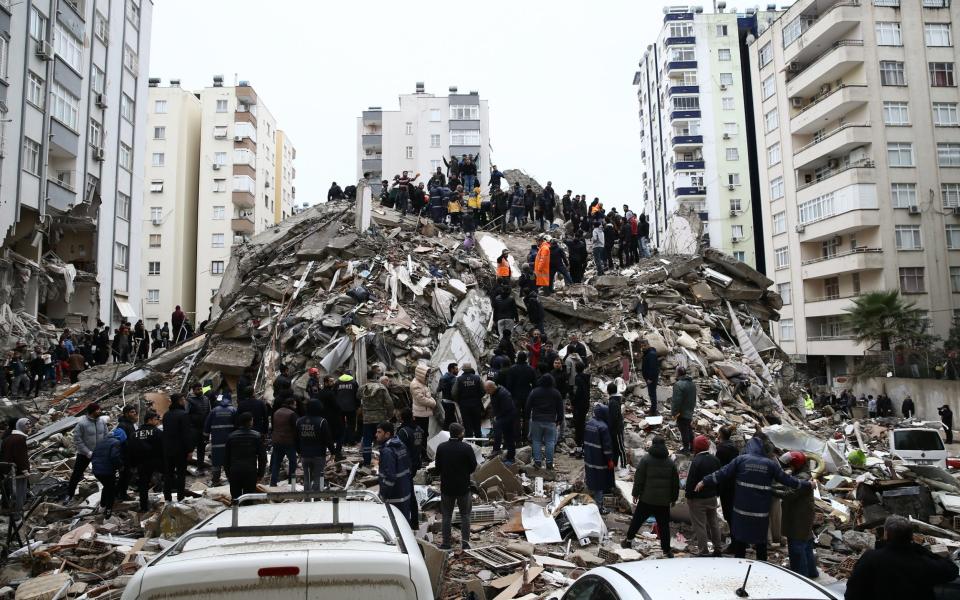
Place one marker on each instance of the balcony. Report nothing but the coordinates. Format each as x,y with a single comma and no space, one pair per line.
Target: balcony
245,116
834,179
838,142
687,192
246,95
373,118
372,142
688,165
840,224
242,225
680,41
681,65
828,306
683,89
60,195
852,261
680,16
374,165
830,26
828,108
830,66
244,199
687,141
683,115
843,346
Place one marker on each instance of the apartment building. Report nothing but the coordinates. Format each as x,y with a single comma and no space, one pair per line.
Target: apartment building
285,192
168,268
72,77
696,119
425,130
859,133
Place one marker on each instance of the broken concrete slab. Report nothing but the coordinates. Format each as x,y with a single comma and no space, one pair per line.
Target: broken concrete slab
231,358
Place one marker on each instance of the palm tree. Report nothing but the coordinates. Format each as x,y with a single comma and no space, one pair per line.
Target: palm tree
884,318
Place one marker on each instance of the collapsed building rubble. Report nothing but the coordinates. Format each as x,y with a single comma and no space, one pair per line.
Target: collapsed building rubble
318,291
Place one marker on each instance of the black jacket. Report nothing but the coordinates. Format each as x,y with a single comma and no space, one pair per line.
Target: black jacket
414,439
702,465
501,402
580,349
244,452
468,391
650,366
505,307
578,251
456,462
519,379
898,571
258,409
146,448
545,403
726,452
178,440
534,308
581,392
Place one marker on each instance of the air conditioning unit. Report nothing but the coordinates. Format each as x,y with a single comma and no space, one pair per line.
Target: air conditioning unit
101,100
216,166
734,213
98,154
44,51
914,210
956,211
796,102
735,240
238,239
731,187
238,138
793,67
800,228
824,89
833,163
723,86
726,136
266,184
157,222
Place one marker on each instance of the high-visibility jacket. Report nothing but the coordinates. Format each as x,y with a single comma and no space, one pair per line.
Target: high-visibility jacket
474,201
503,267
541,265
596,209
808,403
454,206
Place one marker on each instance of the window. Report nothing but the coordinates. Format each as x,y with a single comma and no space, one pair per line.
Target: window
95,134
765,55
724,54
721,31
219,185
771,120
126,107
686,103
730,129
126,157
727,103
936,3
130,59
784,290
153,267
779,223
908,237
950,194
786,330
434,140
955,279
216,267
886,2
469,112
465,137
409,151
121,255
888,34
937,34
683,54
945,114
35,90
156,214
900,154
38,25
781,257
795,28
133,12
895,113
948,155
222,105
891,73
31,156
903,195
769,86
220,132
941,74
156,186
159,159
953,237
219,213
98,81
69,48
153,296
773,154
244,183
160,107
736,232
408,128
100,27
740,255
220,158
123,206
726,78
819,208
733,178
733,154
735,204
435,115
216,240
911,280
159,133
65,106
776,188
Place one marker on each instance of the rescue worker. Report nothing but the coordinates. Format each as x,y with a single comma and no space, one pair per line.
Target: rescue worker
198,407
220,423
377,406
415,440
468,394
598,462
615,422
394,473
313,440
128,423
703,504
503,268
314,385
346,399
244,457
148,454
541,266
106,460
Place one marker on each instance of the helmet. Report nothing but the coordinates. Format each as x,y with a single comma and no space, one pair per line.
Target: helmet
794,459
313,371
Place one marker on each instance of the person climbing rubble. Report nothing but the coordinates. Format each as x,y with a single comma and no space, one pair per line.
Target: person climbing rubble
682,407
597,454
656,486
703,504
106,461
89,431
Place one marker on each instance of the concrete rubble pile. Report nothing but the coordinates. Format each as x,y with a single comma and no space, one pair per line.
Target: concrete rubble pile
342,286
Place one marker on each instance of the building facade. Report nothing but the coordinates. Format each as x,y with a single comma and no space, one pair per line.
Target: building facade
72,77
285,192
418,137
168,268
858,129
696,123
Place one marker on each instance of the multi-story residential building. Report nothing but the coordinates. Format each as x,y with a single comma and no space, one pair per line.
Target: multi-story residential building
72,76
284,193
418,137
168,268
696,124
857,123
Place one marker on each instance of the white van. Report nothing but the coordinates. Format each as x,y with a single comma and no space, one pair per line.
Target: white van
328,548
918,446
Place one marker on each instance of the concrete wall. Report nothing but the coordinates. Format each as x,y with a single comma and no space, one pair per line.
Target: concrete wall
927,394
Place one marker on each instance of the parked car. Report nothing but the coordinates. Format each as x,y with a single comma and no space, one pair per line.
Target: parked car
918,446
332,548
693,579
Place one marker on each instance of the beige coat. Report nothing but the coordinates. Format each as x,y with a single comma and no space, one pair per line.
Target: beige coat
423,402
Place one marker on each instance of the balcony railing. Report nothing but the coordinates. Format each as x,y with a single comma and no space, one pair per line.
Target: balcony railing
829,338
833,48
683,89
842,254
819,17
687,139
827,95
860,164
688,40
827,136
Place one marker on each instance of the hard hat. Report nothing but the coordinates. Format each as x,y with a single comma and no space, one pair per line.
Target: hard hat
794,459
313,371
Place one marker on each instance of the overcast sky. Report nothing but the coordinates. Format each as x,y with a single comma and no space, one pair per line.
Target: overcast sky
558,75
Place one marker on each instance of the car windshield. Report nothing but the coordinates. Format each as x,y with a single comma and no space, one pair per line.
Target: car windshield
917,440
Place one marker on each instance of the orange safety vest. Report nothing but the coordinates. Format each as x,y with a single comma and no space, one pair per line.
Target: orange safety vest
541,265
503,267
596,209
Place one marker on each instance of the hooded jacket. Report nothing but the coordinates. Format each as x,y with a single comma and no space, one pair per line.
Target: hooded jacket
657,481
597,451
545,403
504,307
108,455
15,451
87,434
899,571
423,402
284,427
519,379
684,398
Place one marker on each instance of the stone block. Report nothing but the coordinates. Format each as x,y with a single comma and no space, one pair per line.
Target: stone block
604,340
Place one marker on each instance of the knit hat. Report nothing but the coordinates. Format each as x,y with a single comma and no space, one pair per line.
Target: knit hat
23,425
701,444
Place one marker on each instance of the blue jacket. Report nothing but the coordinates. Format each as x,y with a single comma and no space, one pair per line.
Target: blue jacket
396,483
219,424
108,455
313,433
445,387
501,402
597,451
754,473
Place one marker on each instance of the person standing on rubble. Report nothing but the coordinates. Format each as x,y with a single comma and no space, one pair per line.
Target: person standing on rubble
643,232
415,440
907,408
128,423
558,264
529,203
468,394
544,412
504,272
798,510
198,407
541,265
518,214
597,455
77,364
578,256
445,389
376,405
946,416
423,402
283,440
754,473
650,370
703,504
581,405
598,243
615,423
519,379
147,454
106,460
505,313
313,439
683,403
346,398
656,486
456,462
609,241
87,433
334,193
437,180
14,452
178,443
535,312
726,452
504,418
244,457
219,424
394,470
566,207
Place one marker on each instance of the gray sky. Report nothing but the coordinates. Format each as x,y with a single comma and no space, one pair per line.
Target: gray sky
558,75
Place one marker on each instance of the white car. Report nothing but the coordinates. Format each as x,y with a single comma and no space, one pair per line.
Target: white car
328,549
694,579
918,446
